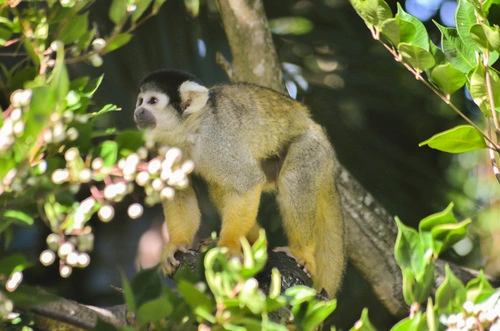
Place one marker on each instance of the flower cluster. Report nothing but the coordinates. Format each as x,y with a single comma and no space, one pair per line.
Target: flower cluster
481,316
13,123
159,177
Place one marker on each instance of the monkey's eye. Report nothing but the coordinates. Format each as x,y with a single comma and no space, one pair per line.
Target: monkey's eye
153,101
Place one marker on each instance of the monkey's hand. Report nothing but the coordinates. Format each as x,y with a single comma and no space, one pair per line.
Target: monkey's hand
168,262
307,264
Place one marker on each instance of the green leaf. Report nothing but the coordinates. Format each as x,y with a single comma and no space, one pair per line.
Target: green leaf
398,31
13,263
299,294
19,216
416,323
5,35
443,217
479,90
430,313
92,86
451,294
460,139
192,7
447,78
416,56
421,38
486,37
128,293
154,310
291,25
59,80
146,285
195,298
459,54
373,12
465,17
75,28
479,289
129,142
109,153
119,41
409,250
318,312
446,235
118,10
428,223
363,324
142,5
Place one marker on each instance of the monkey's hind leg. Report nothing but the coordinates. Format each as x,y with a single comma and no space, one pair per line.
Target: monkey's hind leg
183,220
239,215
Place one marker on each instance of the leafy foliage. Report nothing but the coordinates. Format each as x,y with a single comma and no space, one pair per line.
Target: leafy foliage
225,297
465,57
50,150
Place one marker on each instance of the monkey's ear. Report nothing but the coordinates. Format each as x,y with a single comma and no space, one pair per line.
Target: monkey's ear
193,97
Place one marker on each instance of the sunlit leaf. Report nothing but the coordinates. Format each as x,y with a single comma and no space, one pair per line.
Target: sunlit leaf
488,38
451,294
447,78
192,7
478,88
421,38
418,57
141,6
460,139
12,263
460,55
398,31
319,311
363,324
373,12
119,41
153,310
479,289
76,27
291,25
445,235
118,10
128,293
465,17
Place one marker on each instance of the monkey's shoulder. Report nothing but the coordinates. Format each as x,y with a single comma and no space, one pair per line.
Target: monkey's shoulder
252,97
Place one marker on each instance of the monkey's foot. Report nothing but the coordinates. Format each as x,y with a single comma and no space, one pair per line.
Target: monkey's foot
168,262
302,263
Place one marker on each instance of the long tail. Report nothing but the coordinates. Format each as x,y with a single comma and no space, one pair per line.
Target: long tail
330,252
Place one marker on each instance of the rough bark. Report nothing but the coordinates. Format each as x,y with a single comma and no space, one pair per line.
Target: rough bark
371,232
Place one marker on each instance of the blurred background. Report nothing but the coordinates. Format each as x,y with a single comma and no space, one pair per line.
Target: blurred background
375,113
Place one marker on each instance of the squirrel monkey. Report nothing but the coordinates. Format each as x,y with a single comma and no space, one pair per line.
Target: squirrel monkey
245,139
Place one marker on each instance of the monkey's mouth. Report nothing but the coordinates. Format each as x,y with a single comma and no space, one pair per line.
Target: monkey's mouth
143,125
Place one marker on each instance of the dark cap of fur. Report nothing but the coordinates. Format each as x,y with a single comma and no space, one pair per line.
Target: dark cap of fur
168,82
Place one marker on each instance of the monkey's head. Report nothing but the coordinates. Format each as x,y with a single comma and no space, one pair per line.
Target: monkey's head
165,100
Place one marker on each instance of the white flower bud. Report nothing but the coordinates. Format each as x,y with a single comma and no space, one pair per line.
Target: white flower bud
65,249
47,257
142,178
96,60
60,176
72,259
154,166
56,44
72,134
14,280
98,44
135,210
71,154
106,213
83,260
16,114
187,166
167,193
65,271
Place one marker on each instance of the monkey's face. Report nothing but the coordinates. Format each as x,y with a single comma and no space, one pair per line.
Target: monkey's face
155,113
167,100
